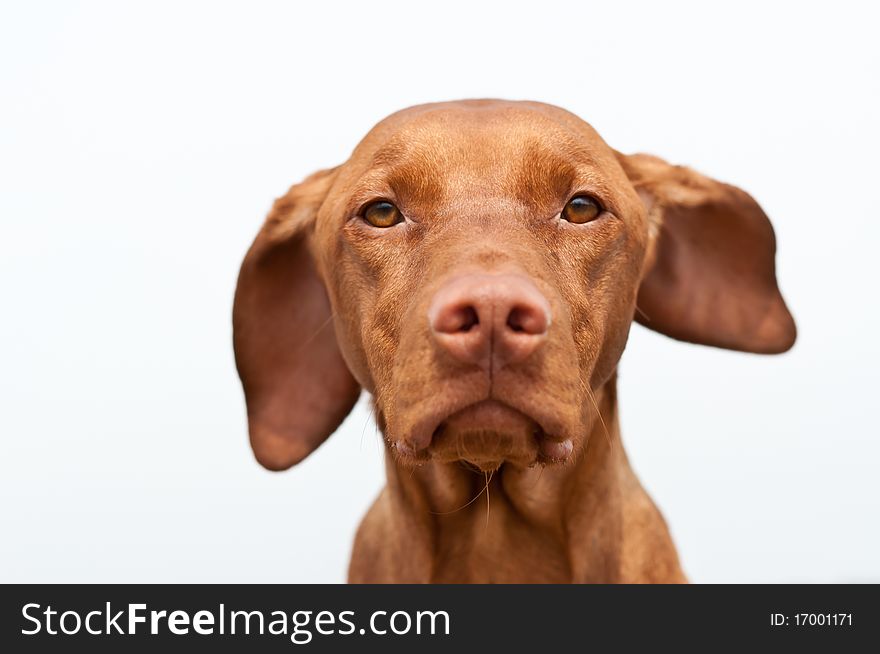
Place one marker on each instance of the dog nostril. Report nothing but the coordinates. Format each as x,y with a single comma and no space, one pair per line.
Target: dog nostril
527,320
456,320
469,319
514,320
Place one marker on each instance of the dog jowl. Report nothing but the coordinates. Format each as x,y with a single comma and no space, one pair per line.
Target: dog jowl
476,267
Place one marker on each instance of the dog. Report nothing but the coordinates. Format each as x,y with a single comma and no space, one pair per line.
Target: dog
476,266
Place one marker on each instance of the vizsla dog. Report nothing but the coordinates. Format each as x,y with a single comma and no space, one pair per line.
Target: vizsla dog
476,266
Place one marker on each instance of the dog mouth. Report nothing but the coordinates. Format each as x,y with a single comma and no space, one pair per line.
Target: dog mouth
487,434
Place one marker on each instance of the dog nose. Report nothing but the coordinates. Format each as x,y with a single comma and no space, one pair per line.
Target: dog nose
485,318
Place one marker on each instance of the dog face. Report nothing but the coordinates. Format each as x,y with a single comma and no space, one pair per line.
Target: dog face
476,267
494,209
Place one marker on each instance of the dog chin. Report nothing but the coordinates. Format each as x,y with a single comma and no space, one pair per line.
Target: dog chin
488,434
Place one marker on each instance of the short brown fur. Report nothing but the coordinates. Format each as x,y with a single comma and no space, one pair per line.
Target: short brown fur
328,305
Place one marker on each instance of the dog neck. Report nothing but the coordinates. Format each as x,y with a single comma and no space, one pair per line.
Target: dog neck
582,521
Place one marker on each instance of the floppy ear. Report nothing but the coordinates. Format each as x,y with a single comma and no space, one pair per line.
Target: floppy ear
296,384
711,277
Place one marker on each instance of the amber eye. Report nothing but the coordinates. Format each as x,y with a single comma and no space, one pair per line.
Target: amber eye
581,209
382,214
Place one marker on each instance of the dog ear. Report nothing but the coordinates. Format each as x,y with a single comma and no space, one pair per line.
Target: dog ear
297,387
710,277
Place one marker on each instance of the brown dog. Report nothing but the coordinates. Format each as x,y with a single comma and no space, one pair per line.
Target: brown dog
476,266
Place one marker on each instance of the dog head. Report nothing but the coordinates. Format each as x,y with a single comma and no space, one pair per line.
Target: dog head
476,267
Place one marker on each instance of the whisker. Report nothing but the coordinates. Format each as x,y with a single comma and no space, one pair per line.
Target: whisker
378,438
540,474
311,338
485,489
488,477
599,413
364,430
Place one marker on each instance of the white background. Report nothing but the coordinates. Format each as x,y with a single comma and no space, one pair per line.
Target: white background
142,145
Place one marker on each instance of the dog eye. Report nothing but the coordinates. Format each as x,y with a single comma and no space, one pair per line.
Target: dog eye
382,214
581,209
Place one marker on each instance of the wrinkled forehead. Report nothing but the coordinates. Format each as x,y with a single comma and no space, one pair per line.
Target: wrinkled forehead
508,148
